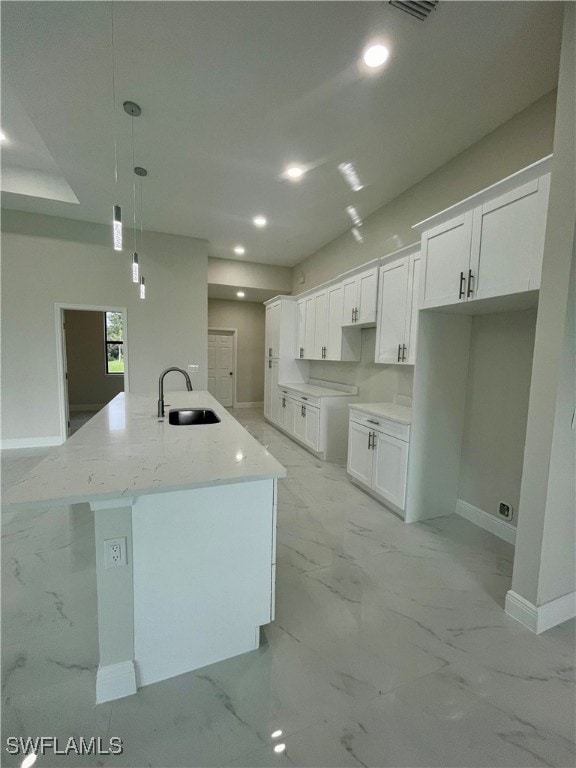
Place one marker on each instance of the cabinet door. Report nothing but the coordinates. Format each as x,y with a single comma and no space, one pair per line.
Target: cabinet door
360,455
390,468
312,427
413,298
367,296
275,399
268,388
508,240
350,299
392,311
334,322
301,341
292,411
445,259
310,327
272,330
282,410
320,324
299,421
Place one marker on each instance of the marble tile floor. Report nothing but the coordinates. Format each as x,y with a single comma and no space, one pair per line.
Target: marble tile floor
390,645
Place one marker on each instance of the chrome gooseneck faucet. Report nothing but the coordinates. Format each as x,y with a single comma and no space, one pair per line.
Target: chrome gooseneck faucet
161,387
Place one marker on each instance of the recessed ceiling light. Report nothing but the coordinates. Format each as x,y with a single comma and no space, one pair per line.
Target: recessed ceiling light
2,136
259,221
294,172
240,294
276,734
279,748
354,215
375,56
239,250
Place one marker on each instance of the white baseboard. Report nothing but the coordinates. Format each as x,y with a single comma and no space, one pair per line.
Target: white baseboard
30,442
115,681
499,528
543,617
249,405
86,407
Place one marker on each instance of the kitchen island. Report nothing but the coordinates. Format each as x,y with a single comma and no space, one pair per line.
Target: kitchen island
191,510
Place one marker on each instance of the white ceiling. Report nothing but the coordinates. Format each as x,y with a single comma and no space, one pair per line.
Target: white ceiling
231,92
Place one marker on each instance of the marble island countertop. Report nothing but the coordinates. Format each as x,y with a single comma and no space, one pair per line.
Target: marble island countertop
126,451
400,413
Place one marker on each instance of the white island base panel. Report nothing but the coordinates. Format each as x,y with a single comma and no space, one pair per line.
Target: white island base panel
200,585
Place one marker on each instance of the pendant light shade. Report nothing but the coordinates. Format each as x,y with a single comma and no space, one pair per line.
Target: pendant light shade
135,268
142,288
117,224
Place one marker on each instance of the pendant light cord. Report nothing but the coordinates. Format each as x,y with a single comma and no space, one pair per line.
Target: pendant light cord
133,188
114,98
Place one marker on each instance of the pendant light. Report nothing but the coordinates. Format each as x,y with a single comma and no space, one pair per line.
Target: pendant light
116,210
142,172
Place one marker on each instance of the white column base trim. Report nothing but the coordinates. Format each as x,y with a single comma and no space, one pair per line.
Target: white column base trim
499,528
249,405
115,681
543,617
30,442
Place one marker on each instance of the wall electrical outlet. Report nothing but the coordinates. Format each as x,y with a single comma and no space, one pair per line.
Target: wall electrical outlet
114,552
505,510
193,368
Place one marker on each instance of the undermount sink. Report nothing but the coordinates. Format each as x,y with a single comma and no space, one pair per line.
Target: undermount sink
183,417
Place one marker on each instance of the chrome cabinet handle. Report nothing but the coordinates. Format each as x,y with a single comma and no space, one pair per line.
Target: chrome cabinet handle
269,351
462,286
369,439
371,421
399,353
304,398
301,351
269,363
283,402
470,288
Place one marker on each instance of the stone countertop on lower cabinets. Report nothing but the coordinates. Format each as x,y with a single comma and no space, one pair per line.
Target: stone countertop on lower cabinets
400,413
125,451
316,391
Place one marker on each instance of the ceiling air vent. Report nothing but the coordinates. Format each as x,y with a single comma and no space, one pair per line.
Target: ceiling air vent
421,10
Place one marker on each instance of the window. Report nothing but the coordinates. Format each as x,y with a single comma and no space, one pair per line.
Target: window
114,333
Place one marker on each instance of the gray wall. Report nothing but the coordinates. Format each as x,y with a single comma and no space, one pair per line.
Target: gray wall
249,320
522,140
544,564
88,382
500,365
48,260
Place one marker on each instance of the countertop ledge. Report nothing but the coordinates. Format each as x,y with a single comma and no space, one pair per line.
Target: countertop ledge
317,391
400,413
125,451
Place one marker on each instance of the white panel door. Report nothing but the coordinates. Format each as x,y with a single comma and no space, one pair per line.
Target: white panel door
413,298
320,324
273,330
507,234
446,260
334,322
392,311
367,296
390,468
360,455
221,366
312,427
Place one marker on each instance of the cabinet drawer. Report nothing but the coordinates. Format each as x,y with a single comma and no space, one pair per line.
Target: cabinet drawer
300,398
380,424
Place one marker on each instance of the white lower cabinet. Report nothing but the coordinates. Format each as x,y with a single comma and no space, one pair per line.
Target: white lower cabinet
378,456
319,423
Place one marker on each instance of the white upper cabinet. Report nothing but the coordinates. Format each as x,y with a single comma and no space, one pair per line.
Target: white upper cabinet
273,330
301,335
359,301
309,336
490,244
446,255
508,241
320,334
396,329
320,325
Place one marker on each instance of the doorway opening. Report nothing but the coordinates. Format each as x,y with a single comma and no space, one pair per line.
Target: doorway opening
93,361
222,365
